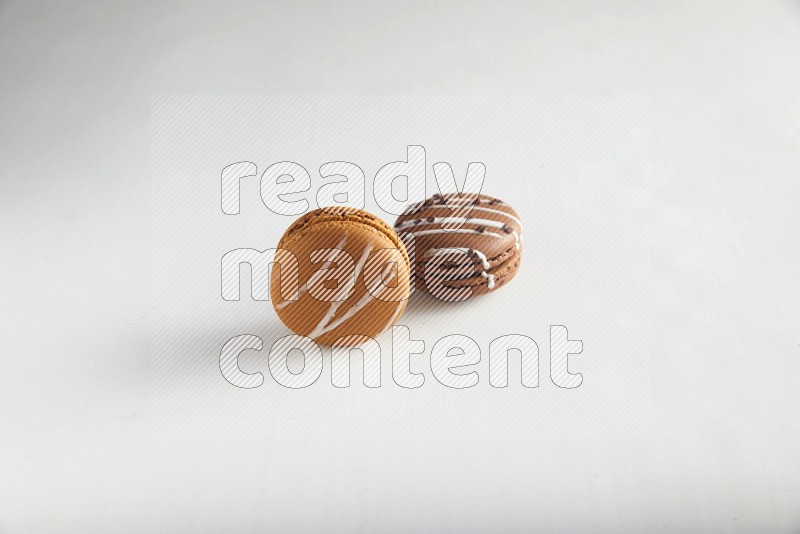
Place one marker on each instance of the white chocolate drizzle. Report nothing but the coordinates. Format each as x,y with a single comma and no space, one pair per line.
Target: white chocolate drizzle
411,209
460,220
304,288
449,201
328,323
459,231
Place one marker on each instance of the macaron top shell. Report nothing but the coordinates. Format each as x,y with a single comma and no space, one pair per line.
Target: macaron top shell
353,274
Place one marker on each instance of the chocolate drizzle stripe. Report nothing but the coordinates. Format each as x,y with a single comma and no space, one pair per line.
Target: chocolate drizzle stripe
459,231
498,212
459,202
450,220
409,225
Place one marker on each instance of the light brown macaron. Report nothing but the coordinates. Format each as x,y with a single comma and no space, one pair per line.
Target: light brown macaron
350,280
463,244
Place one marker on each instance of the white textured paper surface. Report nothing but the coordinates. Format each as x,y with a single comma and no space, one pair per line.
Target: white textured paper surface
576,169
91,441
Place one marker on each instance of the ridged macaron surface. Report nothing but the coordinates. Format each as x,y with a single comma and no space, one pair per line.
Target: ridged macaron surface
462,241
351,276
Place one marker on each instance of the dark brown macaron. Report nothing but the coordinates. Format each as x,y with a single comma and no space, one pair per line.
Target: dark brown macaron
462,245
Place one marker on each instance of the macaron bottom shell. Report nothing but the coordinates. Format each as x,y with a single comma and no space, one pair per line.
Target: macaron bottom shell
438,279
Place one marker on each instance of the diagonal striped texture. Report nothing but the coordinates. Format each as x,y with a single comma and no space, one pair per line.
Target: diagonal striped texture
452,352
561,348
341,355
229,361
281,180
575,168
459,266
412,170
230,184
509,346
348,189
261,264
337,266
279,361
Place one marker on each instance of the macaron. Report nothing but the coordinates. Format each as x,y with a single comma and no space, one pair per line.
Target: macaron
351,275
463,244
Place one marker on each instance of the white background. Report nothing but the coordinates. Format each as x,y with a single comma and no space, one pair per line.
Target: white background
720,451
577,171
